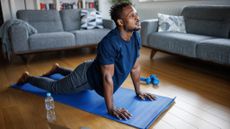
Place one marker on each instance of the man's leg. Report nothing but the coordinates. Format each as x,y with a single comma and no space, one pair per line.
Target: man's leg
58,69
40,82
62,86
63,71
75,81
79,77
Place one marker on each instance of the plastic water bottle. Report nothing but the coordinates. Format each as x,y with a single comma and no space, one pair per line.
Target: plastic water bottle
49,105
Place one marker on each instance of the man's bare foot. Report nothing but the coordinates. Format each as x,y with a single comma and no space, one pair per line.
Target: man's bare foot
23,78
53,70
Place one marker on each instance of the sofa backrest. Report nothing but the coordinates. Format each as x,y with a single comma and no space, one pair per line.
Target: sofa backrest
71,19
207,20
42,20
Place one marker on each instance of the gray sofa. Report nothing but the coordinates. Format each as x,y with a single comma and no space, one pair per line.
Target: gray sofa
57,30
207,37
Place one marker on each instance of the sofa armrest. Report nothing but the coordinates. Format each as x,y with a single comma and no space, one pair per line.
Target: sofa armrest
147,27
19,38
109,24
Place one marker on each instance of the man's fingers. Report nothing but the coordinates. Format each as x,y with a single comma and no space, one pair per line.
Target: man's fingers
117,115
123,116
151,96
121,113
130,115
142,97
147,96
126,112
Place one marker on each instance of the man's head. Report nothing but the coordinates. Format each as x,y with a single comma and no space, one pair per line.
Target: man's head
125,15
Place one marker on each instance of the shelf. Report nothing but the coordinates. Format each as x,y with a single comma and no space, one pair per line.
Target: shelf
66,4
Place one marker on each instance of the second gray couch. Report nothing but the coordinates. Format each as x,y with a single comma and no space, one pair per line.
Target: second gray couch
207,37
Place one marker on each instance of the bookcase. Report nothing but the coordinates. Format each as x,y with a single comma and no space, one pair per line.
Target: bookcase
66,4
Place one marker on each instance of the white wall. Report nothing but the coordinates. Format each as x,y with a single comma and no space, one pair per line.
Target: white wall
10,7
6,9
104,7
149,10
146,10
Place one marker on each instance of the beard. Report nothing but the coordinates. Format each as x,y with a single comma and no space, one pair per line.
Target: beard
137,29
131,29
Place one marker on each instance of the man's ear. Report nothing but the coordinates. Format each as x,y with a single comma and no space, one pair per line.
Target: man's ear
120,22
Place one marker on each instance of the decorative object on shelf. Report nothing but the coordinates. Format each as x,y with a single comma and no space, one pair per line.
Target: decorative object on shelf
119,1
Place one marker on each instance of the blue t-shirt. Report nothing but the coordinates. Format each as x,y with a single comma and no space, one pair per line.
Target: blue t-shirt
114,50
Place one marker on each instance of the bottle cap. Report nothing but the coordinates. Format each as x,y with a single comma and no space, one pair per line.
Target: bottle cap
48,94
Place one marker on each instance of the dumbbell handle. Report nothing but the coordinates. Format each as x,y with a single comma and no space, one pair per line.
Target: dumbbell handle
146,80
142,78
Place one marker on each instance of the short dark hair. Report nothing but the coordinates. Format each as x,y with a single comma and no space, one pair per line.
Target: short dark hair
116,10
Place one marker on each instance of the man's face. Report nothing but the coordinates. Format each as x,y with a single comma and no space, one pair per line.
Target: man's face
130,18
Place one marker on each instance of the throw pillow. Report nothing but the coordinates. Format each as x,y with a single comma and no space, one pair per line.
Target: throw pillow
91,19
171,23
99,20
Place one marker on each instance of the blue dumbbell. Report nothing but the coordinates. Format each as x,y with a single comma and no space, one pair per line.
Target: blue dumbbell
154,79
146,80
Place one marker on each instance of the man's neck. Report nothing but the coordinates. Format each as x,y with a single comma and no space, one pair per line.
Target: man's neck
125,35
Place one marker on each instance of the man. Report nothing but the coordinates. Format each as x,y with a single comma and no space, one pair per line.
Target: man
117,56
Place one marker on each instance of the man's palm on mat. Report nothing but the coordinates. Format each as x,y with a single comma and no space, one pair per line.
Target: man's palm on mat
123,114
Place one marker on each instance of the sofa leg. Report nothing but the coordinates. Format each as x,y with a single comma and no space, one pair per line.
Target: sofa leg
26,58
10,60
93,49
23,58
153,52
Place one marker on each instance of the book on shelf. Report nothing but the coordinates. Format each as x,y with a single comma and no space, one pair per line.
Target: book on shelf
47,6
68,4
87,4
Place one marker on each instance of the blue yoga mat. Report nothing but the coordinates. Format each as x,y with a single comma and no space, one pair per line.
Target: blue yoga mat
144,112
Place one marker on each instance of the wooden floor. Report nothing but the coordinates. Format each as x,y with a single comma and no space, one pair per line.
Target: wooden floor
202,90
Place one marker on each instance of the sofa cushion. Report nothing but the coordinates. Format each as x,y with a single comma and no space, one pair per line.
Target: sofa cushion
49,41
178,43
171,23
215,50
43,20
83,37
207,20
207,27
91,19
71,19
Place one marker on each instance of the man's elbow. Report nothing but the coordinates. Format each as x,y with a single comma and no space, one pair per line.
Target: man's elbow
135,69
108,79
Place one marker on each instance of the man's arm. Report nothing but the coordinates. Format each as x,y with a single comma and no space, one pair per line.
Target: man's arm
107,77
135,75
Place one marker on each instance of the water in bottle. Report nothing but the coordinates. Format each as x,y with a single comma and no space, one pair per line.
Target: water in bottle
49,105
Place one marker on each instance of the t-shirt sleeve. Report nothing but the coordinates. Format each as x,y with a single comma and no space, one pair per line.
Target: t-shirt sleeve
138,41
106,52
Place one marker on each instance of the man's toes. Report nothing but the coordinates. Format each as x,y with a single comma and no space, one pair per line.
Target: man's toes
23,78
57,65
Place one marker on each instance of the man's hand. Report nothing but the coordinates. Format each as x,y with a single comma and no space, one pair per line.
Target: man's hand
147,96
135,75
107,74
120,113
